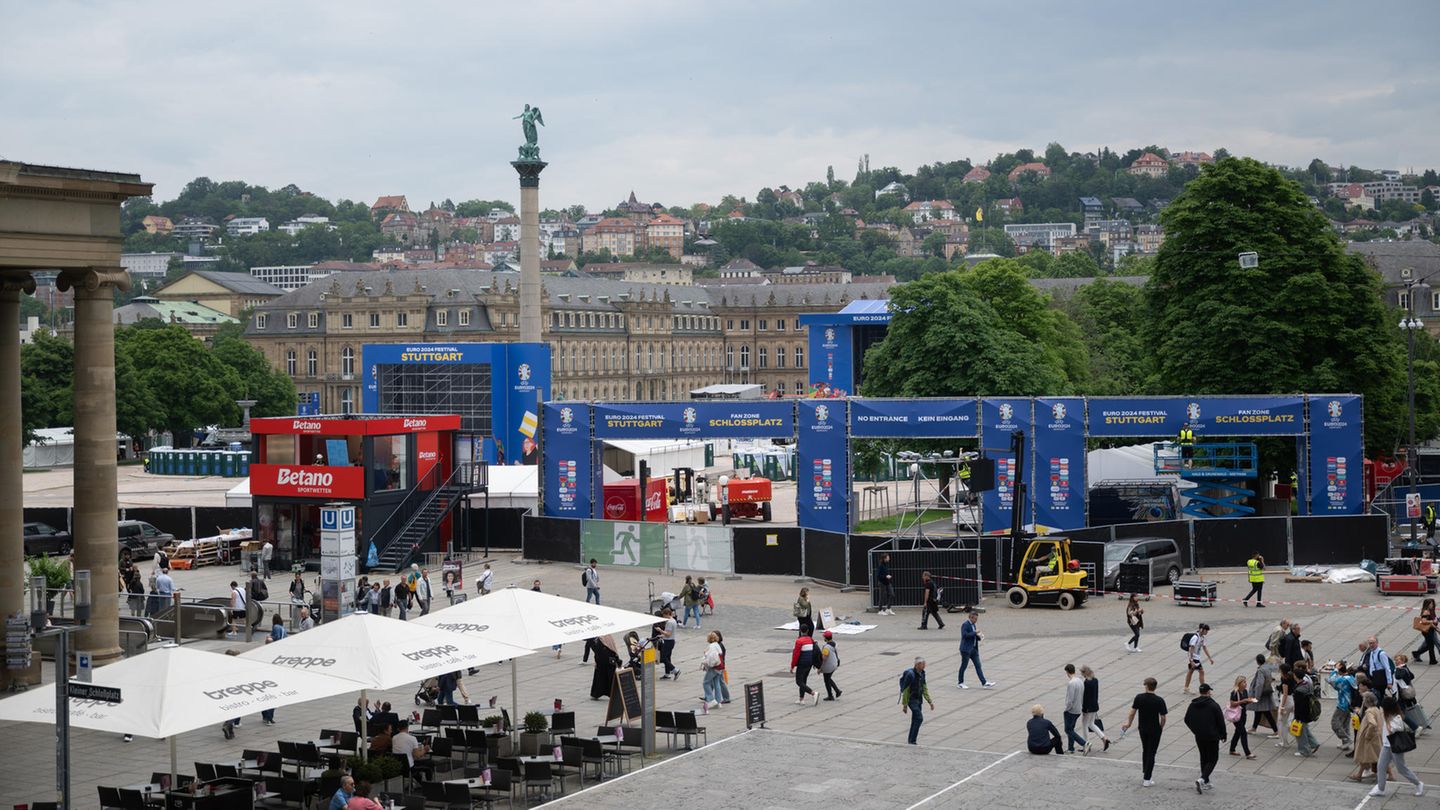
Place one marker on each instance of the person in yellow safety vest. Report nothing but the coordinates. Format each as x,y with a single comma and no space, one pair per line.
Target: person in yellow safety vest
1428,520
1294,493
1256,568
1186,440
965,481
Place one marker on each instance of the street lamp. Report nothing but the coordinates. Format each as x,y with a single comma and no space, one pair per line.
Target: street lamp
1411,324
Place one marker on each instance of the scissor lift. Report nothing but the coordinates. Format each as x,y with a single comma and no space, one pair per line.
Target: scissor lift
1218,473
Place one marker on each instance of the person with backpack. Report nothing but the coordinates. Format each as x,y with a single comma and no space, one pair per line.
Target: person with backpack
1307,710
931,603
1272,644
1288,647
237,608
801,610
1207,722
1395,742
1346,689
1194,646
829,662
693,600
1415,716
912,691
590,580
256,592
803,658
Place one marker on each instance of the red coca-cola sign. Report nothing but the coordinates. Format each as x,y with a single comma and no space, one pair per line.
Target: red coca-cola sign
297,481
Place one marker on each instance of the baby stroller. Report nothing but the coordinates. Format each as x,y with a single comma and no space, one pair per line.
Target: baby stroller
665,600
429,692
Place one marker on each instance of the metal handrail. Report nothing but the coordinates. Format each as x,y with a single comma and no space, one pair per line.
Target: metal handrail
400,508
434,493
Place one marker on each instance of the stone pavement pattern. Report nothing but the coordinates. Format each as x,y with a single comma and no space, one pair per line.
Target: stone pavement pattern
1023,652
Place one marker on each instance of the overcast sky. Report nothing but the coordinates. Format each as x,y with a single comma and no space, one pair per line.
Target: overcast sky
684,102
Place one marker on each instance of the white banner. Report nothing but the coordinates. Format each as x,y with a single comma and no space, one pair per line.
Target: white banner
707,549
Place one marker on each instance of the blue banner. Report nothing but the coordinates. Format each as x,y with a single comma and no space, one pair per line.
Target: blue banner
1214,416
1059,477
822,475
528,367
914,418
832,357
567,472
1337,442
999,418
730,419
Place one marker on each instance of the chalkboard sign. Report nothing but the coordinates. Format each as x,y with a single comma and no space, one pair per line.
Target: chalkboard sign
624,697
755,704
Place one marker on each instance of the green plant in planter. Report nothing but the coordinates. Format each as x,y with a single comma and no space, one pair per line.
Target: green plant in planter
56,572
536,723
493,721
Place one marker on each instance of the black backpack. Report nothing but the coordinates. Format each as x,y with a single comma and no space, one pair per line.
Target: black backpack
584,579
261,593
1185,640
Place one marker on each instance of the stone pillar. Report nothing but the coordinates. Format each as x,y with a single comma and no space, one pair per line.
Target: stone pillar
12,495
530,326
96,503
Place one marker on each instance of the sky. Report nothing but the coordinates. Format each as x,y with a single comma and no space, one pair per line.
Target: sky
685,102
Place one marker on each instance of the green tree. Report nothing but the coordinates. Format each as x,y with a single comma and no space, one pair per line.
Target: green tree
1109,314
47,373
273,391
137,407
992,240
1308,318
195,388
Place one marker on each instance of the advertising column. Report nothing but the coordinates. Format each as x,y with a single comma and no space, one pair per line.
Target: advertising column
567,471
822,494
999,419
830,357
1337,441
337,560
1058,478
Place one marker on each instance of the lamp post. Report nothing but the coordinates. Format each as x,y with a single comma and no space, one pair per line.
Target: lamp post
1410,324
39,621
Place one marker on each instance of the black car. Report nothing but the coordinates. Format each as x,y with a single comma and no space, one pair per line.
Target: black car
139,539
42,538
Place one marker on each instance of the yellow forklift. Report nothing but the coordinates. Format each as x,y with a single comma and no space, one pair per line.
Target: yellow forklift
1048,575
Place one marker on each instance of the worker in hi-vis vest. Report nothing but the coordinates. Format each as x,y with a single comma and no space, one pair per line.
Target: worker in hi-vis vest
1255,566
1428,521
1186,440
1294,493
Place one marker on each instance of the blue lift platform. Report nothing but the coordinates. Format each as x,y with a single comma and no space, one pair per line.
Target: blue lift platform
1218,472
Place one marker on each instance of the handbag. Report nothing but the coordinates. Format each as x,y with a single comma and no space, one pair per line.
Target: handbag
1233,714
1402,741
1295,726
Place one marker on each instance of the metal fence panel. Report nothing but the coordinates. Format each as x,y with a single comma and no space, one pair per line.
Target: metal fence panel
550,538
956,571
708,549
825,554
614,542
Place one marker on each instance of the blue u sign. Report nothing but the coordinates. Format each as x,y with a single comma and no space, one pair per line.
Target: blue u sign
329,520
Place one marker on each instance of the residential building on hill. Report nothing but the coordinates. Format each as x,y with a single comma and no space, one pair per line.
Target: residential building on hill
1039,234
1402,265
643,273
979,174
299,224
230,293
926,210
154,223
1040,169
147,265
666,232
389,205
1150,165
194,228
622,237
1149,238
1192,158
894,187
247,226
197,319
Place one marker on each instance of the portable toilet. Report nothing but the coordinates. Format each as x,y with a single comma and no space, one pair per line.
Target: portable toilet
188,458
243,469
227,464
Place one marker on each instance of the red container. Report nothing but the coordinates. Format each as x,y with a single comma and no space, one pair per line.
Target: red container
622,500
1398,585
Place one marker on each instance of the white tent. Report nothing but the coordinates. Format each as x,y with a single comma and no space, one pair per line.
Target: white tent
378,652
532,620
239,495
169,691
1134,462
513,486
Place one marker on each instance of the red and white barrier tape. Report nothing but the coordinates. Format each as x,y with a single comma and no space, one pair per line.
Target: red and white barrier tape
1006,585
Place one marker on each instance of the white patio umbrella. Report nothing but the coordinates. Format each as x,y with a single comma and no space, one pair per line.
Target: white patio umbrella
169,691
378,652
532,620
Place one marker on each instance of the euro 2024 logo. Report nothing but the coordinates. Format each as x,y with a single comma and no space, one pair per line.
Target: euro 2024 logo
524,371
829,335
822,414
567,416
1334,408
688,415
1057,411
1192,412
1007,412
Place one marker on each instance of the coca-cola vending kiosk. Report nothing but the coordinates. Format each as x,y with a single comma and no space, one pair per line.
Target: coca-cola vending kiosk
622,500
387,466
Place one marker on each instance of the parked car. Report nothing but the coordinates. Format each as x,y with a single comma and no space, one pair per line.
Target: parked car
1162,553
42,538
139,539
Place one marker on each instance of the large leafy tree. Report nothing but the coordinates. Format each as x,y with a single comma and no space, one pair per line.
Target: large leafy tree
1109,315
194,387
273,391
981,332
1308,318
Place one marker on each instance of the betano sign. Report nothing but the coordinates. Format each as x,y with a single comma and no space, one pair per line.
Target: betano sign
289,481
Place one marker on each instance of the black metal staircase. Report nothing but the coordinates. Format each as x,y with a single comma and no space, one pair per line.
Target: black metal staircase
433,506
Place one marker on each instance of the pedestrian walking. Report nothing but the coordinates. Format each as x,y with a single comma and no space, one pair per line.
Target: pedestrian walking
402,599
1286,694
1262,688
1272,644
802,659
267,553
1150,710
1207,723
912,691
1240,700
1135,620
590,577
829,662
1368,737
1413,710
1074,707
1425,624
1289,647
663,635
237,608
970,638
1090,708
1255,569
714,665
931,602
486,581
1378,666
422,591
693,600
277,633
1041,737
801,610
1343,681
1307,710
885,587
1195,647
1396,741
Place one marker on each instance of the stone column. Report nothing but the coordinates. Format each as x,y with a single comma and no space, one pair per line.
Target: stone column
12,495
96,503
529,171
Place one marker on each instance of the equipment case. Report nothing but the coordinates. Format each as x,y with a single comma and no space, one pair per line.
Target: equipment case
1402,585
1199,592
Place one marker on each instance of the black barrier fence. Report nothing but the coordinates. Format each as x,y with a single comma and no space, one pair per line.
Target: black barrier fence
768,550
502,526
956,572
57,517
1341,539
550,539
1225,542
826,554
860,545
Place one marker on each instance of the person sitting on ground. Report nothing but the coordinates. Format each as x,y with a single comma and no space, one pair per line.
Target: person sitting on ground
1042,736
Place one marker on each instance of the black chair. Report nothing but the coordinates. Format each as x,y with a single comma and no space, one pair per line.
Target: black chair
350,741
132,800
592,753
467,715
162,778
504,717
429,721
665,724
448,715
539,781
109,797
434,794
307,755
686,727
442,754
290,791
501,786
204,771
411,802
496,746
562,724
572,760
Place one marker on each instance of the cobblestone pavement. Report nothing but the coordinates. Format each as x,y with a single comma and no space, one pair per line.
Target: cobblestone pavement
1023,653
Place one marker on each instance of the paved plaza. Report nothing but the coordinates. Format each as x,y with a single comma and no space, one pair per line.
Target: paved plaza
1023,653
